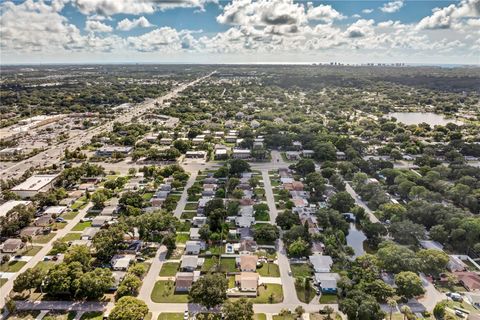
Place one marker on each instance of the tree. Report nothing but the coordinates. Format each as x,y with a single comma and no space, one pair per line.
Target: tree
209,290
342,201
433,261
265,232
241,309
129,286
238,166
407,232
107,241
379,289
406,311
392,305
129,308
30,279
328,311
99,197
325,151
439,234
299,310
298,248
212,205
395,258
304,167
409,284
79,254
182,145
439,310
93,284
287,219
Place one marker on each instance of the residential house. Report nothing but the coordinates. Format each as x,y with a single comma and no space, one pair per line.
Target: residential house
30,231
321,263
341,155
470,280
195,154
297,145
247,282
244,221
121,262
308,153
183,281
100,221
241,154
12,245
199,221
194,247
247,263
327,282
247,246
194,233
189,263
292,155
43,221
89,233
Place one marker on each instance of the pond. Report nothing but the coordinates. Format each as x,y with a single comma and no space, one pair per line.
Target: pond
355,239
431,118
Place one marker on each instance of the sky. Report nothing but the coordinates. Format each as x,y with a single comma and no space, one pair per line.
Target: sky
239,31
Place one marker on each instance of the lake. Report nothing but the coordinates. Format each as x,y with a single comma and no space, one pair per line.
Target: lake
355,240
431,118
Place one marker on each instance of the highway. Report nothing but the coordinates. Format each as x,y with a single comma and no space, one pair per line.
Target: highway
55,153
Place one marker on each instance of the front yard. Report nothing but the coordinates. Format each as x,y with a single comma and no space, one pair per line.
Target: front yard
269,270
169,269
163,292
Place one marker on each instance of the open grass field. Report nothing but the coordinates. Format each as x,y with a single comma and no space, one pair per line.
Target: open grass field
170,316
31,250
301,270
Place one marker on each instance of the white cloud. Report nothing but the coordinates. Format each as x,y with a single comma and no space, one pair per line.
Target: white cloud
360,28
112,7
97,26
450,16
367,11
392,7
127,24
323,13
163,39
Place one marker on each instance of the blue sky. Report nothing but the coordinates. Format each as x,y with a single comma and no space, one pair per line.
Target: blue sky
239,31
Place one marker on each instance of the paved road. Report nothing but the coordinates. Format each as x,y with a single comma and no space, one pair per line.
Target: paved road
360,203
269,195
54,154
7,287
183,199
151,277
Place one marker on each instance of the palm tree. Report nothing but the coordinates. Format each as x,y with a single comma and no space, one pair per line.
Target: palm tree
392,304
406,311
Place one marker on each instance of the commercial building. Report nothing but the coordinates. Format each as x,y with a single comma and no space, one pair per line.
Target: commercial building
109,151
9,205
34,185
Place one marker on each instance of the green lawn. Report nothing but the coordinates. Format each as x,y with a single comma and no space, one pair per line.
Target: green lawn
287,317
265,293
191,206
259,316
262,216
44,238
12,266
303,295
31,250
45,265
70,215
209,264
169,269
269,270
182,237
170,316
188,214
92,315
228,265
328,298
301,270
60,315
82,226
3,281
163,292
71,236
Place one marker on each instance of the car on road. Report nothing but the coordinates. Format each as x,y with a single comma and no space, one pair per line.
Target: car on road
290,273
186,315
18,256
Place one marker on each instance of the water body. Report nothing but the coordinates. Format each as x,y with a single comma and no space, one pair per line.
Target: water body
355,240
431,118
